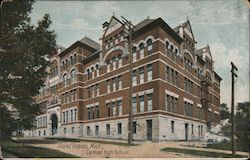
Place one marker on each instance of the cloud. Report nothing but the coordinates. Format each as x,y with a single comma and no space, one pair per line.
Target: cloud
103,8
221,53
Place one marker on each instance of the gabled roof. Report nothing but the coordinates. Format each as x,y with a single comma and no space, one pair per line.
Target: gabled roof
113,21
85,42
206,49
187,25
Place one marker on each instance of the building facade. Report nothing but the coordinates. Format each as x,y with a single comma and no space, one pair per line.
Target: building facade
176,92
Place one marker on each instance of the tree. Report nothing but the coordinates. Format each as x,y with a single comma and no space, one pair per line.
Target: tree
23,52
224,111
242,126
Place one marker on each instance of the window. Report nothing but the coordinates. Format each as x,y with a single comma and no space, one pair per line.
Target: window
75,112
75,59
141,47
108,66
167,103
89,74
120,107
167,72
134,54
188,109
73,130
119,128
171,104
134,106
134,78
108,86
92,113
150,101
114,108
97,111
107,129
150,46
114,63
119,82
97,89
71,116
172,126
108,110
65,130
141,70
96,130
141,103
176,78
97,70
114,84
88,110
134,127
171,75
88,131
65,77
175,104
150,72
192,128
92,71
119,61
92,91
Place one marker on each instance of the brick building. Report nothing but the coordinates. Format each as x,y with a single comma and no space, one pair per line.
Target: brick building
176,92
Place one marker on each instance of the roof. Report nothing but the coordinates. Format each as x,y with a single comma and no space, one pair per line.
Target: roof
60,47
148,23
143,24
89,42
217,76
84,41
179,26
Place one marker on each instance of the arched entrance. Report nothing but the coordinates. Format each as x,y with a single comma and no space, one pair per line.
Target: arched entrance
54,123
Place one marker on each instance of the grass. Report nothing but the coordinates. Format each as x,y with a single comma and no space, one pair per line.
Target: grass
240,146
27,151
90,140
201,153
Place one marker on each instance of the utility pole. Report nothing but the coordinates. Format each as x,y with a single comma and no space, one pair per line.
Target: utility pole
233,69
129,39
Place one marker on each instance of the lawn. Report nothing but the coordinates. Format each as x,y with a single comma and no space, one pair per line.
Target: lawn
201,153
93,141
26,151
240,146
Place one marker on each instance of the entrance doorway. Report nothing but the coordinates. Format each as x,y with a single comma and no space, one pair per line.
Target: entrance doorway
186,131
149,130
54,124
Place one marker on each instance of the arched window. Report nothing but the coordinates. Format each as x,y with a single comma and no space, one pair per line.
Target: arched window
66,63
71,60
73,76
150,46
92,71
89,74
74,58
134,54
167,44
97,69
65,78
141,47
63,65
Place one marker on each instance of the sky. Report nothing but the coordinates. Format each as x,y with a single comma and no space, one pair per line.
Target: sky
221,24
